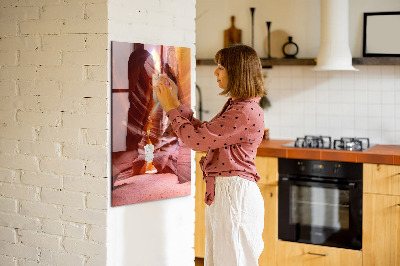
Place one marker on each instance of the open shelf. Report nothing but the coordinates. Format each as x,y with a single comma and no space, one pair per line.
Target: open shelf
265,62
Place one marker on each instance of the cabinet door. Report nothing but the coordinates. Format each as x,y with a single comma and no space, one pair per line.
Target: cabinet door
200,206
297,254
270,233
381,230
267,168
381,179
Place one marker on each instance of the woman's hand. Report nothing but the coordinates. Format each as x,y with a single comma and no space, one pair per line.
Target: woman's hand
163,90
174,90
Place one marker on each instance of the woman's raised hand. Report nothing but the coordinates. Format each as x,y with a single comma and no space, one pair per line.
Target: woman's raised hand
167,93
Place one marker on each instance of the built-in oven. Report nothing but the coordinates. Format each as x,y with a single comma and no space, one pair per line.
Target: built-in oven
320,202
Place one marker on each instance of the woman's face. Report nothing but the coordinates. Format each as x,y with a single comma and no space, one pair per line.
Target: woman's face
222,76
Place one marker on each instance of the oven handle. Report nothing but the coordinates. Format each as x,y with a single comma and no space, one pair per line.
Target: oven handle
298,181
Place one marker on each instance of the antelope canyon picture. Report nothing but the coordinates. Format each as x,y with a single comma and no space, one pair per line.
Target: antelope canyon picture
148,161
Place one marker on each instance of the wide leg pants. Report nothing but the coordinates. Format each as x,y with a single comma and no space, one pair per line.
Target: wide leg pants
234,223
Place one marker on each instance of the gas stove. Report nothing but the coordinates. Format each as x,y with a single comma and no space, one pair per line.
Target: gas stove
325,142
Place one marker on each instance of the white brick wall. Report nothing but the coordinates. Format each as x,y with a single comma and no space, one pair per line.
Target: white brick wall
53,121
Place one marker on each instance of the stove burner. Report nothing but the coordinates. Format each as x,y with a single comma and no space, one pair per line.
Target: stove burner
351,144
322,142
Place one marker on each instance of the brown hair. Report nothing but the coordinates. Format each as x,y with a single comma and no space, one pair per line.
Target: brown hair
245,78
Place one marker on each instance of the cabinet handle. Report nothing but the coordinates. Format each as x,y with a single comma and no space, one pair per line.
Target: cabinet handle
318,254
398,204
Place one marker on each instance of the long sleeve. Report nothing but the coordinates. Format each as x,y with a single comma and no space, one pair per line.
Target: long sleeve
225,130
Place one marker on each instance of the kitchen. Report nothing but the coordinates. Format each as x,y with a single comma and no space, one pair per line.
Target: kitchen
304,102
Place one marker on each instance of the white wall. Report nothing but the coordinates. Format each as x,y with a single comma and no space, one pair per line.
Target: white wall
299,18
159,232
338,104
53,137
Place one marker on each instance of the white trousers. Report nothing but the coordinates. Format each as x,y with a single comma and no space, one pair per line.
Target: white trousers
234,223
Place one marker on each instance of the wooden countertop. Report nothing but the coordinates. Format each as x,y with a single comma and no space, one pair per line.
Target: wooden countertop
379,154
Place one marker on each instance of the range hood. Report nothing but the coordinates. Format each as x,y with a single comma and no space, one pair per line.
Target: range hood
334,51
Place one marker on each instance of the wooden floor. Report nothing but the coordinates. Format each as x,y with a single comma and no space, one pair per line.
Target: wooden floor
199,262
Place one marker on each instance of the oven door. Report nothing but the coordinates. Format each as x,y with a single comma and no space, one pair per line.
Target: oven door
321,212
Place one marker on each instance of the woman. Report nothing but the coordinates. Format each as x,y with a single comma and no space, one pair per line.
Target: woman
235,207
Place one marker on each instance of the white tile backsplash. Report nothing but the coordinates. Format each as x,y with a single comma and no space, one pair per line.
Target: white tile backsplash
364,103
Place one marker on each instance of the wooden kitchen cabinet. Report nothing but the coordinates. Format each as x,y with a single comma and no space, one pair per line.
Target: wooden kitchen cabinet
381,215
298,254
381,179
381,230
267,168
270,233
200,207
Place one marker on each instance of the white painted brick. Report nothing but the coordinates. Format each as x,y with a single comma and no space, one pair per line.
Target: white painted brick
8,146
97,260
60,73
88,57
98,73
19,43
61,258
86,184
75,230
38,209
87,88
19,250
7,175
26,262
62,166
17,132
97,105
18,161
34,2
56,103
8,205
35,239
25,103
98,169
95,201
18,72
41,179
85,120
39,87
68,135
7,117
8,58
17,191
85,26
63,197
98,42
40,148
96,137
97,234
84,247
97,11
39,118
7,88
64,42
19,221
40,27
84,216
53,227
62,12
19,13
8,234
85,152
39,58
8,261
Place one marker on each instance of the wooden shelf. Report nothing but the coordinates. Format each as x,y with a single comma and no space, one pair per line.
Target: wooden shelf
312,61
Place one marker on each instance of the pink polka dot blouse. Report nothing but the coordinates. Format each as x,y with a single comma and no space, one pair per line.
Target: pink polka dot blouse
231,139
